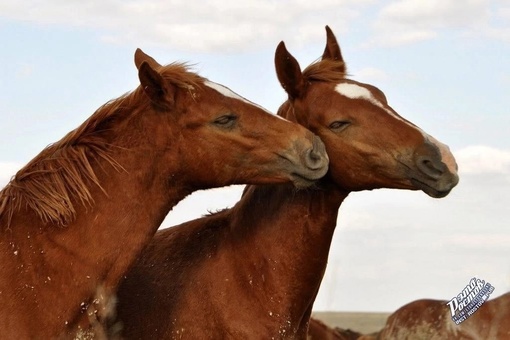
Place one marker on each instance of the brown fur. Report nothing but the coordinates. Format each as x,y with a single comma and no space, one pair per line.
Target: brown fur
74,219
253,271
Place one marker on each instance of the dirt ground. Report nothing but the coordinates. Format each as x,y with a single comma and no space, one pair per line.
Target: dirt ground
364,323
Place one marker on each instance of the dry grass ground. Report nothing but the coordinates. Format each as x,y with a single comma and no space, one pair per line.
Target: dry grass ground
364,323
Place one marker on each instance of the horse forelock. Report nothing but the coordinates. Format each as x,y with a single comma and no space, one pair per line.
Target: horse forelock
325,70
181,75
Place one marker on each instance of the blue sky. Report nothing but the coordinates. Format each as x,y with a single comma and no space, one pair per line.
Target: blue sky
443,64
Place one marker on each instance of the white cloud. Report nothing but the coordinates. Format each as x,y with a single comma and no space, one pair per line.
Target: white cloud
228,25
404,37
504,13
410,21
479,159
496,26
215,25
436,13
502,34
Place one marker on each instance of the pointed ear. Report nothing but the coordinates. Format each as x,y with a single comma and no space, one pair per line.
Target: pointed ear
159,91
140,57
288,72
332,50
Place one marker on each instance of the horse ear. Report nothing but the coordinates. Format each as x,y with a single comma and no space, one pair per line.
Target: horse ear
332,50
159,91
140,57
288,72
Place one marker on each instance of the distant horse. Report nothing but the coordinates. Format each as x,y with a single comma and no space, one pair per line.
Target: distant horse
431,319
253,271
318,330
75,217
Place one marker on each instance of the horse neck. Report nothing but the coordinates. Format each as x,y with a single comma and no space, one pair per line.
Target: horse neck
292,230
97,247
127,216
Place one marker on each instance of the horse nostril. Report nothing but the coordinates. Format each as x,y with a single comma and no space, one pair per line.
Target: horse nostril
432,168
316,157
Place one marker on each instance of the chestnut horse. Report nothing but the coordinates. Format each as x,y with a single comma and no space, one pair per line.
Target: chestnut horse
431,319
253,271
76,216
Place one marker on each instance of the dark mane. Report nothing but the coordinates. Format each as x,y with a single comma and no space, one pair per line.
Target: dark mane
326,70
61,175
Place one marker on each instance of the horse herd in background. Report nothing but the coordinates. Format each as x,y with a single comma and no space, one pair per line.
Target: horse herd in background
429,319
80,252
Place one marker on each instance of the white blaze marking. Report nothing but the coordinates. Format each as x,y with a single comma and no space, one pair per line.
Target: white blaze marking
231,94
225,91
355,91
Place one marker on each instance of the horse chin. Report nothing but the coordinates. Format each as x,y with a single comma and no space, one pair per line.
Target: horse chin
431,190
302,182
307,178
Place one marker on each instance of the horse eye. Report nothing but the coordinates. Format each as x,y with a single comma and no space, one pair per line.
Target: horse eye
226,120
339,125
